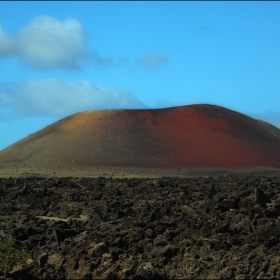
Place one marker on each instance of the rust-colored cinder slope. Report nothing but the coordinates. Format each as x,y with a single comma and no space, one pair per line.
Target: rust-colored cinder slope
194,135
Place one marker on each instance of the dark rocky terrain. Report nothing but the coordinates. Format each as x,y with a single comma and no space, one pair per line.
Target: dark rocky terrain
169,228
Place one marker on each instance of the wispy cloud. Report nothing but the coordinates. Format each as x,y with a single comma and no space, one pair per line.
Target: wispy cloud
99,60
54,97
152,60
7,45
47,43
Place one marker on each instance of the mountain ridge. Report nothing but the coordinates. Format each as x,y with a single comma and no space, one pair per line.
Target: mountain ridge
174,137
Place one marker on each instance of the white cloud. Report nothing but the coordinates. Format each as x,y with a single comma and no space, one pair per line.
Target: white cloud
7,47
47,43
54,97
152,60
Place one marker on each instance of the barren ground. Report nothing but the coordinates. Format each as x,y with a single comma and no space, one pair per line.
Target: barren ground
134,172
174,228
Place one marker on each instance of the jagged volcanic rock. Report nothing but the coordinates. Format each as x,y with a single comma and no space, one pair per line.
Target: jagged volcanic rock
168,228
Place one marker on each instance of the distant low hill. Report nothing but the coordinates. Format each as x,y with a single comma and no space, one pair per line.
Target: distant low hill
185,136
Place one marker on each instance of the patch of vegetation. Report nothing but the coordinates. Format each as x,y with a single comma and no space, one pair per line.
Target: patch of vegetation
9,253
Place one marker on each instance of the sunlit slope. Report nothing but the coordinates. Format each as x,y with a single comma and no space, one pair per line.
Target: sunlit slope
194,135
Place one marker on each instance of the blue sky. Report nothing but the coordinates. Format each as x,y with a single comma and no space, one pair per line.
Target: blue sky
59,58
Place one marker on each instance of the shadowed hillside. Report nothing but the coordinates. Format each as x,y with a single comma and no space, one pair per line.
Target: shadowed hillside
185,136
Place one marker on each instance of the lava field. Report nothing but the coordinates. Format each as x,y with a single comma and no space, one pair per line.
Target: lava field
168,228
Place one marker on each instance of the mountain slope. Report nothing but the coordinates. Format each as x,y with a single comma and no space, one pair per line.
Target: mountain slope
194,135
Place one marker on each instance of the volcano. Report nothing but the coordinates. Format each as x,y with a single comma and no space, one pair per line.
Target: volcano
184,136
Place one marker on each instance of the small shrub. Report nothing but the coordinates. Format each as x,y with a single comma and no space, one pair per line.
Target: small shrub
8,253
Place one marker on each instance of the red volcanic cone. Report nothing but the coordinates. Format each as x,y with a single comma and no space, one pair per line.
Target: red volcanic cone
186,136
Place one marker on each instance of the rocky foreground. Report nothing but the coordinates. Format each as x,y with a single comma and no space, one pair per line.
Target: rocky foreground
79,228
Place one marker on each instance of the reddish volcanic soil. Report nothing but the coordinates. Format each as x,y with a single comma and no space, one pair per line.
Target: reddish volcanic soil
186,136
